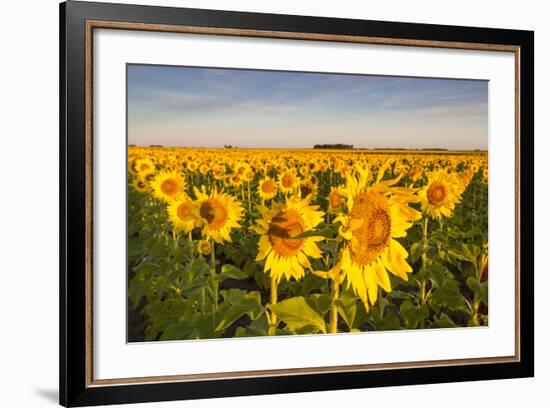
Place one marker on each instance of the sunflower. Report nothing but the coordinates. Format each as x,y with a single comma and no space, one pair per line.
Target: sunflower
284,254
204,247
140,185
248,175
376,214
440,195
219,172
313,166
217,214
267,188
234,180
306,190
464,180
204,169
168,186
287,181
144,167
336,199
416,173
241,169
180,214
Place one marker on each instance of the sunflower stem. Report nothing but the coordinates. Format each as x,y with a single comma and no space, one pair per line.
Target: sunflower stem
424,241
424,261
273,301
190,238
423,292
475,318
176,237
249,196
333,323
213,274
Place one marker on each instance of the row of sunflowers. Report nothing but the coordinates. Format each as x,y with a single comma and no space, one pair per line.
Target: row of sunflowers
253,242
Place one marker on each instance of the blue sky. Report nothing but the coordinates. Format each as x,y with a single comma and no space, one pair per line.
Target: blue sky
204,107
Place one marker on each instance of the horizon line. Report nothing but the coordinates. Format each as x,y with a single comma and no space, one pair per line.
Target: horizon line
309,148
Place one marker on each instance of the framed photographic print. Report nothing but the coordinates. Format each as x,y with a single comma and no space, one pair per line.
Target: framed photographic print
256,203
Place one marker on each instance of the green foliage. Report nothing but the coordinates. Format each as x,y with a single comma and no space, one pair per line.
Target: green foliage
237,303
182,295
299,316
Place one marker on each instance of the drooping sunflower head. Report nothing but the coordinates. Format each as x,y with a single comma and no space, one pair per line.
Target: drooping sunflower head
336,199
440,195
285,253
168,185
306,190
375,216
217,214
267,188
181,214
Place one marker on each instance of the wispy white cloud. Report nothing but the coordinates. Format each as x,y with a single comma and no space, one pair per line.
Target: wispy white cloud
213,107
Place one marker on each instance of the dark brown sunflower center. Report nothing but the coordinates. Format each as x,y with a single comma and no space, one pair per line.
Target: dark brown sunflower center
373,235
184,210
335,200
214,212
287,180
437,193
268,186
282,228
170,187
305,190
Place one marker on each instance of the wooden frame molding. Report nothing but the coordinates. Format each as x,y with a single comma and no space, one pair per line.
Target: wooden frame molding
98,24
79,21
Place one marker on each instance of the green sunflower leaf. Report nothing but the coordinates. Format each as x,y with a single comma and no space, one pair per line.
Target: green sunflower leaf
237,303
325,233
297,314
232,272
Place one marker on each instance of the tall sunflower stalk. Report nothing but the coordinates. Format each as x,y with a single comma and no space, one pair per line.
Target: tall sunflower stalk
438,199
376,213
281,246
217,214
272,317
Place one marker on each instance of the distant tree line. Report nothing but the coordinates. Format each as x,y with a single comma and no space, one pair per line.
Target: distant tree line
333,146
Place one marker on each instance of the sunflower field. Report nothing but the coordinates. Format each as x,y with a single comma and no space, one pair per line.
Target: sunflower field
263,242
